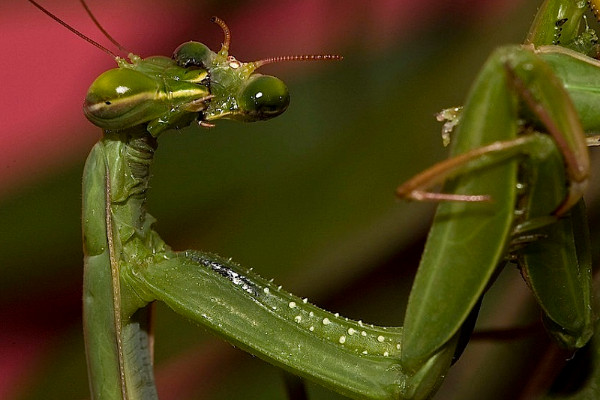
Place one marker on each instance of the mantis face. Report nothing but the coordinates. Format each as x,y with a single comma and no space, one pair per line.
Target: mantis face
167,93
237,92
196,84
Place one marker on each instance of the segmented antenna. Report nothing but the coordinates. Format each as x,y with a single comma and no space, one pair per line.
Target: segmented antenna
307,57
226,32
104,32
75,31
270,60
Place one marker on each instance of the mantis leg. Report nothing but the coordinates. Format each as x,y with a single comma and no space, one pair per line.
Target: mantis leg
557,265
558,269
100,326
356,359
452,276
417,187
548,100
351,357
116,327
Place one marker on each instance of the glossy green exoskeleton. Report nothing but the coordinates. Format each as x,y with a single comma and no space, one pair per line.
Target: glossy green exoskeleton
196,84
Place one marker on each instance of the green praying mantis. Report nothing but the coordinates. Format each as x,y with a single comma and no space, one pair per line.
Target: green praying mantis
518,168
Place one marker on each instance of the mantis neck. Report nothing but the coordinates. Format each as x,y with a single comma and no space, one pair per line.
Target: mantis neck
129,154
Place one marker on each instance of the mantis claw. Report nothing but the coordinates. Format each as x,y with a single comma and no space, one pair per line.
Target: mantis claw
420,195
205,124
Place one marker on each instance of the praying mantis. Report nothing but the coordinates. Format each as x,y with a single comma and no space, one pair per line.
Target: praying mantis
128,266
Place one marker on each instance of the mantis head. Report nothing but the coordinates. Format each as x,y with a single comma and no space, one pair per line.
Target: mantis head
239,92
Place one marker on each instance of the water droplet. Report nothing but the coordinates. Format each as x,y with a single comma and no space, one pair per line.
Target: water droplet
351,331
292,304
342,339
380,339
298,318
326,321
266,290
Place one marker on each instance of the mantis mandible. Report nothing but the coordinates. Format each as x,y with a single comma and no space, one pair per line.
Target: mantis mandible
522,93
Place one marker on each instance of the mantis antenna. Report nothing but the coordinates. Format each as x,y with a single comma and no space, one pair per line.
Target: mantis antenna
75,31
226,32
308,57
106,34
257,64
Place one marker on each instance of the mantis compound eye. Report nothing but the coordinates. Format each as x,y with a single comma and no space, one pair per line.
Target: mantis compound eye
193,54
263,97
120,98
